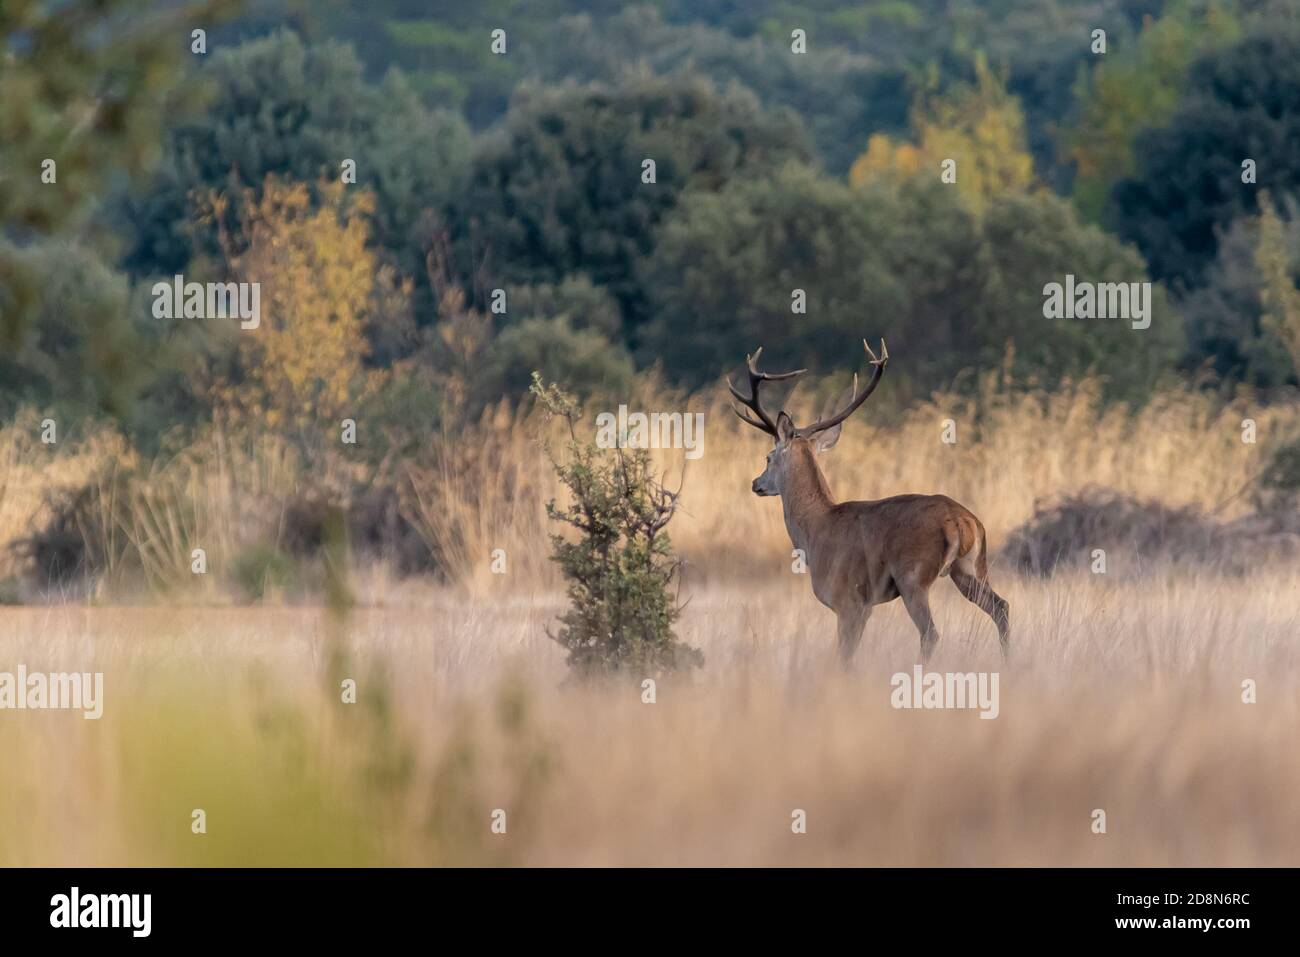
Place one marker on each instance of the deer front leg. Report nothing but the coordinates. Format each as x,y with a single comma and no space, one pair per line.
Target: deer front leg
850,623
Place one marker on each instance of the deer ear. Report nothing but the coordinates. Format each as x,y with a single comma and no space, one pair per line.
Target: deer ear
827,438
784,427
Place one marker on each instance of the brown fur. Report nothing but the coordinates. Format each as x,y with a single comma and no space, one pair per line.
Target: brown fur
861,554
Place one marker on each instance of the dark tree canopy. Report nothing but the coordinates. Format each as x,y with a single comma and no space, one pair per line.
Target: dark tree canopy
949,289
277,106
560,190
1240,103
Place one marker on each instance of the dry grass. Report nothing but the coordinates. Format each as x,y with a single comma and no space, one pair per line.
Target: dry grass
1012,452
1125,692
222,492
1124,695
487,489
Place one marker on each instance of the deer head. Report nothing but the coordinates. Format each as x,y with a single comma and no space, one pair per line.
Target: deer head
820,435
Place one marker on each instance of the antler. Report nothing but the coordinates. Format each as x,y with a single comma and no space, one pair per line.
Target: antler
764,420
878,369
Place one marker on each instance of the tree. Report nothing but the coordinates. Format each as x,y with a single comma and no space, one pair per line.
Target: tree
1225,315
978,126
714,298
948,288
842,96
621,565
1280,297
1239,105
1132,88
278,107
302,367
83,84
1033,240
561,188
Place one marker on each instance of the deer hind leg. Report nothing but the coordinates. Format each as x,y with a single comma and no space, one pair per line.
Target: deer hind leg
850,622
917,599
978,591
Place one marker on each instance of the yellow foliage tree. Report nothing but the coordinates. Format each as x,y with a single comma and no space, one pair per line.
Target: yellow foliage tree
1281,298
885,158
1134,87
979,125
303,366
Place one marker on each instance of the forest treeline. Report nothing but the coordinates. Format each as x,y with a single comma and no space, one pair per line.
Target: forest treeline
502,219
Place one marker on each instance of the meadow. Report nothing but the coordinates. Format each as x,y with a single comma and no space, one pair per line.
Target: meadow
1124,692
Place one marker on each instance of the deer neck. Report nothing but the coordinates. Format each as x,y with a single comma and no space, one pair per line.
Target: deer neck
807,498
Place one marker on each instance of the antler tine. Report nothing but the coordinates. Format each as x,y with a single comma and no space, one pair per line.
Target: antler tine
751,402
877,370
752,362
884,353
744,417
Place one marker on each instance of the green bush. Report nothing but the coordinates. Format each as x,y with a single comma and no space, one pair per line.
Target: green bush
1278,489
79,351
260,567
582,357
621,565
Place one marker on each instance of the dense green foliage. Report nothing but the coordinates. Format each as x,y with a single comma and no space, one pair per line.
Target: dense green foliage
1239,104
948,289
82,90
620,566
509,224
276,106
77,348
562,189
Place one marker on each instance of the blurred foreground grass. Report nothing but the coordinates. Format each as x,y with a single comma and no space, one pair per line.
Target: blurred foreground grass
1124,695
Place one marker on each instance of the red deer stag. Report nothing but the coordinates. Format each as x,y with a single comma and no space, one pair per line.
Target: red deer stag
862,554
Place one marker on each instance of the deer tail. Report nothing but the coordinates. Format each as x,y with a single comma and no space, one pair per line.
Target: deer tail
952,539
961,537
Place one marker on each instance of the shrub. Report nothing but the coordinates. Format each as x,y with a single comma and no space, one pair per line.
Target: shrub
260,567
1143,534
1065,532
378,528
78,542
1278,489
79,352
621,566
11,591
584,358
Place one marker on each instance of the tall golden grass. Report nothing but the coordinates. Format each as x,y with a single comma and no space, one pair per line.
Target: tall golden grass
1124,694
1013,450
486,487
